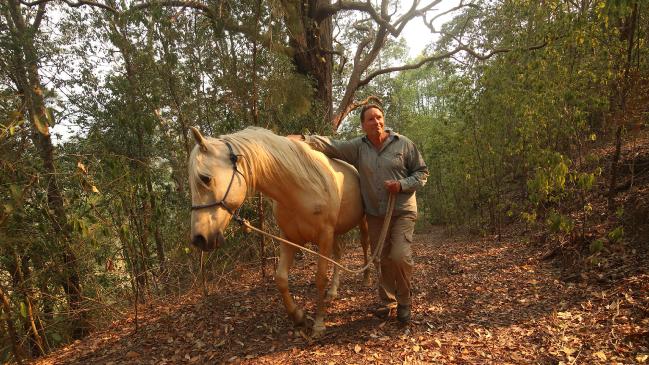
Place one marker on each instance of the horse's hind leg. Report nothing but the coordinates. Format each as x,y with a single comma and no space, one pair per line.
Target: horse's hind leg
286,256
365,243
325,246
332,293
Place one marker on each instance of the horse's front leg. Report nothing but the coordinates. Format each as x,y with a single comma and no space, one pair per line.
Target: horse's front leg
286,256
332,293
325,246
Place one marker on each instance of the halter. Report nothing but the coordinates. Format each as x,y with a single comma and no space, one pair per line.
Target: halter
235,214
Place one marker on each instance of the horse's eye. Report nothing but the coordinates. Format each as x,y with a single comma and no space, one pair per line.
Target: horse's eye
205,179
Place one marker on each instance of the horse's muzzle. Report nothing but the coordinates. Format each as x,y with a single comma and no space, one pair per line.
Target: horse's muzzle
209,243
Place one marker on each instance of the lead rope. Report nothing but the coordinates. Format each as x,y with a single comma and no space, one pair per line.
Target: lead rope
375,254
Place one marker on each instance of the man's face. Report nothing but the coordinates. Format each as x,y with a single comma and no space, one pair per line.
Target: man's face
373,123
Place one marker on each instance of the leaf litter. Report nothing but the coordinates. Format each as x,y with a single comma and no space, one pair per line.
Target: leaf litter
477,300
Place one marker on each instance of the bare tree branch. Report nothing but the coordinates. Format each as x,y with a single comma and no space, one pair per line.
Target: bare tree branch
39,17
74,4
448,54
327,10
429,23
80,3
34,3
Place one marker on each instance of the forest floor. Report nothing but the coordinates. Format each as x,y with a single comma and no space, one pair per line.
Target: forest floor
478,300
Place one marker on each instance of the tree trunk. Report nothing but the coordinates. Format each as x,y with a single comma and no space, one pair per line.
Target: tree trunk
312,44
18,351
26,72
628,29
21,281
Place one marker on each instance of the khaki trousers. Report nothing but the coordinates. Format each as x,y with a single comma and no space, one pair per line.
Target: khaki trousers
396,264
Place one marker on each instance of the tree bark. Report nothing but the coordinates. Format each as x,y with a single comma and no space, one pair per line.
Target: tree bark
18,351
628,29
27,76
311,41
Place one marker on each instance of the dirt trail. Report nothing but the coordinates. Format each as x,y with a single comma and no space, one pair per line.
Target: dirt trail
477,301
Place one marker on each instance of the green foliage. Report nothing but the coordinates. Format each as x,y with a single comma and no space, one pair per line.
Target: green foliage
559,223
616,234
549,182
597,245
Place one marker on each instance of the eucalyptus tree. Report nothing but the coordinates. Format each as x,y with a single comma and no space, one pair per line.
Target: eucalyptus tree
319,34
26,48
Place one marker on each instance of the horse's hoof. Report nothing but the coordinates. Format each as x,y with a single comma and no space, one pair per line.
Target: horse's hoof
331,295
318,331
298,317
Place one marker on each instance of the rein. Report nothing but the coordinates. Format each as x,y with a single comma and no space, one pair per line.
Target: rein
235,215
373,257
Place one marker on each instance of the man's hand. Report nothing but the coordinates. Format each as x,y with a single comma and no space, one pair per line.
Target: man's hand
393,186
296,137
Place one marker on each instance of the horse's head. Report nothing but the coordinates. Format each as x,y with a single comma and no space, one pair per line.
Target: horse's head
218,189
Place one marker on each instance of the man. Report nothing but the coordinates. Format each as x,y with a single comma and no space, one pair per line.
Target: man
387,163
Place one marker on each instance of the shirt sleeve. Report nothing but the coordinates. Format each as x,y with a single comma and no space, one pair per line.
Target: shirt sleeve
334,148
417,171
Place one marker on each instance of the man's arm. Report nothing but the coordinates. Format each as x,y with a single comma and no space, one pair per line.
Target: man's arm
333,148
417,171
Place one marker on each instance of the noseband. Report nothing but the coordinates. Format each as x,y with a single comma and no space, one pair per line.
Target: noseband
233,158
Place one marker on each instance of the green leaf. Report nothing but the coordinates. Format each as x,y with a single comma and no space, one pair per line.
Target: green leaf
619,212
586,181
50,116
616,234
23,309
15,192
56,337
597,245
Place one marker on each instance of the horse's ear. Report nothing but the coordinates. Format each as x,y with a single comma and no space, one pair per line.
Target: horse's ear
200,140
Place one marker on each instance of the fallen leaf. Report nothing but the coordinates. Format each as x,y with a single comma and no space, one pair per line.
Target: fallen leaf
568,350
132,354
600,355
416,348
357,348
641,358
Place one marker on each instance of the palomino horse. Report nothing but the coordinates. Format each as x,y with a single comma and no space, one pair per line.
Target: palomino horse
315,199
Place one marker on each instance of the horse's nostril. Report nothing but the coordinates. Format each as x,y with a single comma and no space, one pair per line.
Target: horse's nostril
199,241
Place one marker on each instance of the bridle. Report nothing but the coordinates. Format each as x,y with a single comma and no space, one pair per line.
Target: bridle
235,214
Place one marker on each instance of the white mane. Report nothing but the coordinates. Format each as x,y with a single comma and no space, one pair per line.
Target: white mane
263,154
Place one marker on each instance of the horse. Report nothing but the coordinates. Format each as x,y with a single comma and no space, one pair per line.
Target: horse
315,199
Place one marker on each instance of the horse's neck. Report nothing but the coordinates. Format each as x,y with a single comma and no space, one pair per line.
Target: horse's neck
281,184
273,186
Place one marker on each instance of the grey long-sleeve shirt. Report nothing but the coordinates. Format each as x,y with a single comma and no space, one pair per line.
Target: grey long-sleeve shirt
398,159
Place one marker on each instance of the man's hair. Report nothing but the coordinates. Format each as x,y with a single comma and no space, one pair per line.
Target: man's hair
368,107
